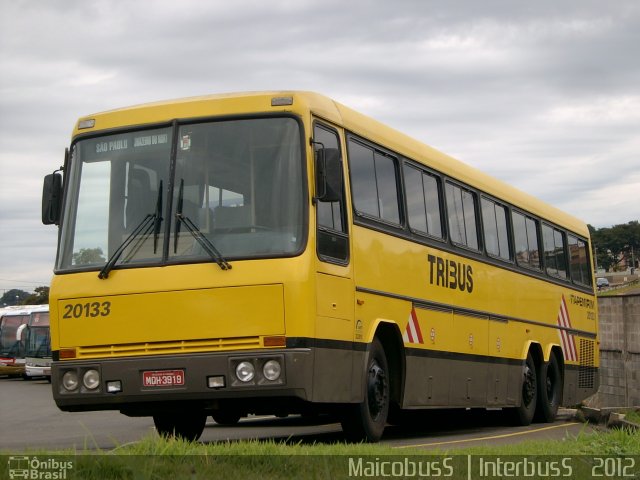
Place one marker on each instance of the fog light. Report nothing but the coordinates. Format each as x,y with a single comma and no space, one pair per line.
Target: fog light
272,370
70,380
215,382
114,386
245,372
91,379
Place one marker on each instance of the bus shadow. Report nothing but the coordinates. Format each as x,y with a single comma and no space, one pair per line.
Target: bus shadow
422,424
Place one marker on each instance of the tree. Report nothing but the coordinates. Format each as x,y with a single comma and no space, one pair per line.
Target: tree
40,296
615,244
89,255
13,297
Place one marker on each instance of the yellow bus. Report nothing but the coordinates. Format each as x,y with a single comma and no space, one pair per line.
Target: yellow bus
278,252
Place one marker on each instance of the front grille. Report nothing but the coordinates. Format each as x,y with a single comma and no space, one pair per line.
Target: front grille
177,346
587,370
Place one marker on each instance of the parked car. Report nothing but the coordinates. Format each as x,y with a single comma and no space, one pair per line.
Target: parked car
602,282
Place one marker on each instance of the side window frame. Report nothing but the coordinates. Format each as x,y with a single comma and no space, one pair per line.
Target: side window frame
528,220
427,207
583,267
329,239
495,223
451,207
377,155
559,254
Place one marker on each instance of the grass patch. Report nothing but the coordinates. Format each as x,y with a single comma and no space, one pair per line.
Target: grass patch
159,458
633,416
611,442
631,287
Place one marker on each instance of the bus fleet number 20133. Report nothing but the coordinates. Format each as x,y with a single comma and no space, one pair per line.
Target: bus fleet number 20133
89,309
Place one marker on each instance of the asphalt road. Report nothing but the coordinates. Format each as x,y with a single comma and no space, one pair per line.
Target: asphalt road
29,419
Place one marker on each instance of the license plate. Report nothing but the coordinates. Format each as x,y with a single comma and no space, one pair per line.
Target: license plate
163,378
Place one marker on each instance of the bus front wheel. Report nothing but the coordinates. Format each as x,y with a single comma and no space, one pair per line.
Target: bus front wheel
186,426
226,417
365,421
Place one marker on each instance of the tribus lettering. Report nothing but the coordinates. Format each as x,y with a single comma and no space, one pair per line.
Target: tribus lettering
450,274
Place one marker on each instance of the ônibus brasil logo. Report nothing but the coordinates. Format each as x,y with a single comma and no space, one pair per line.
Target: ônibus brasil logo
34,468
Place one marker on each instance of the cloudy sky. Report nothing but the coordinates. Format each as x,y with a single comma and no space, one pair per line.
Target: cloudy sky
544,95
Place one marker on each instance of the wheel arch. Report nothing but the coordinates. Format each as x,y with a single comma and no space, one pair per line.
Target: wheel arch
389,335
536,352
555,350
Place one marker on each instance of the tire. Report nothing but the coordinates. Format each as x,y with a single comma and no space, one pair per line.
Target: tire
365,421
185,426
226,417
550,387
523,414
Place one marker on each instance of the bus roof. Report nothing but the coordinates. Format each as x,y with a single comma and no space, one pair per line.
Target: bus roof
23,310
10,308
351,120
411,148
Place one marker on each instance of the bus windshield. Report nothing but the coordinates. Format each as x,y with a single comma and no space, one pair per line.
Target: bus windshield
10,346
38,342
235,184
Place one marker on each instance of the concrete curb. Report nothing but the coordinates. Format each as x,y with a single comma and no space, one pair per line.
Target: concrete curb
610,417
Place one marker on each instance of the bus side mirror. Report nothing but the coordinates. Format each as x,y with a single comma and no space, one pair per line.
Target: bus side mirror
51,199
328,175
20,331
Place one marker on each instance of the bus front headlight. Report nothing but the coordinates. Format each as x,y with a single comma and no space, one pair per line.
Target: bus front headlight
70,381
91,379
245,371
272,370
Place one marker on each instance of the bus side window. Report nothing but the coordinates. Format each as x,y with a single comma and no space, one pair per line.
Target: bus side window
554,252
496,236
374,183
579,260
461,210
525,233
423,202
333,241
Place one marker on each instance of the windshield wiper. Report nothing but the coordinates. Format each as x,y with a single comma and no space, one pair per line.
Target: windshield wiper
204,242
148,223
158,219
193,229
145,225
176,227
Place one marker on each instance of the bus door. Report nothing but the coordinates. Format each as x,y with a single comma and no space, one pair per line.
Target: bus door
335,293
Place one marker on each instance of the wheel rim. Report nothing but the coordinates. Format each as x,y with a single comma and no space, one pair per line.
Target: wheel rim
376,390
529,386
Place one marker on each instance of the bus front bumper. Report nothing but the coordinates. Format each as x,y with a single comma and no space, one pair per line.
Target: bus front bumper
137,385
38,371
11,366
11,369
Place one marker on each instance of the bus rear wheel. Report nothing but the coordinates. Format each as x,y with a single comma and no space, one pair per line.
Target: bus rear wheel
186,426
550,386
366,421
523,414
